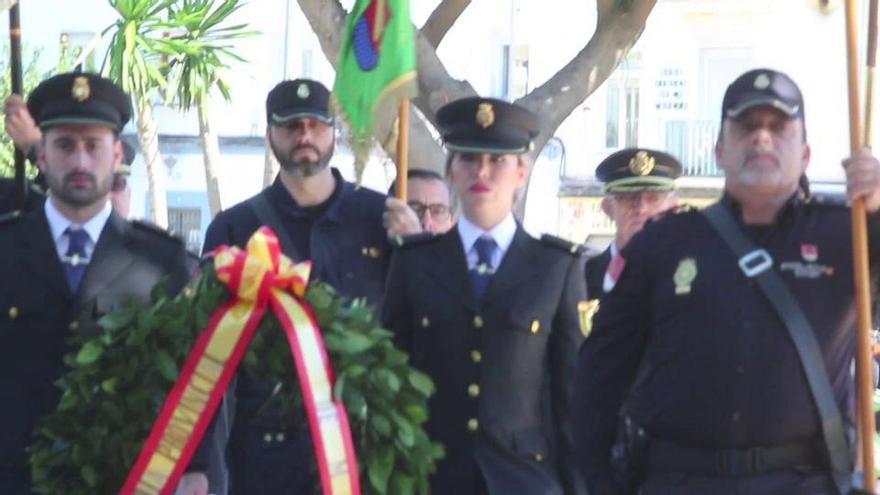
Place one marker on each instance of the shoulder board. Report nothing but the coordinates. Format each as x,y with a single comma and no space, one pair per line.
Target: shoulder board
10,216
154,230
414,240
838,200
560,243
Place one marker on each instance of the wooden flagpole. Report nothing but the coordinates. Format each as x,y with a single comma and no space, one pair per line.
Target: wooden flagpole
864,358
402,149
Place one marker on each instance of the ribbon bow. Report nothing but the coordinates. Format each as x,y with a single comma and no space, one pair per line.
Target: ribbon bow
260,277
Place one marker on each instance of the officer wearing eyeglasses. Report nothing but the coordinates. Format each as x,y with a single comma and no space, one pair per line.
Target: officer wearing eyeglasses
639,184
428,196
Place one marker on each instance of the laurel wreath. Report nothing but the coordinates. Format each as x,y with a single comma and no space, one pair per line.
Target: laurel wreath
117,383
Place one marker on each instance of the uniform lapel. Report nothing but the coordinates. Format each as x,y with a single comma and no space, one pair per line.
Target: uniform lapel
448,266
516,266
109,260
38,254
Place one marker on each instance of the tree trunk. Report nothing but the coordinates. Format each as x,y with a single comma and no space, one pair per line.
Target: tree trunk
148,136
270,167
211,154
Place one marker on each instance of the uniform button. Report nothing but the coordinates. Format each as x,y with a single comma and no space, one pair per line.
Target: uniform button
426,322
476,356
536,326
735,416
279,437
740,369
478,321
13,312
365,251
73,326
267,438
473,424
474,390
539,457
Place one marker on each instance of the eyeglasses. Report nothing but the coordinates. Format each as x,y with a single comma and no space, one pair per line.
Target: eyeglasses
439,212
647,198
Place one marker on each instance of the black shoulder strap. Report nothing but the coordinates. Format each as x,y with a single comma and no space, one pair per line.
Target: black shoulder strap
268,217
757,264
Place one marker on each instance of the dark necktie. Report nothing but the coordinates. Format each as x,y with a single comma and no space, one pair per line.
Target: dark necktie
75,261
482,272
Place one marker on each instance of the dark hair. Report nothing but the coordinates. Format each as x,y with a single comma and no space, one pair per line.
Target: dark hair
415,173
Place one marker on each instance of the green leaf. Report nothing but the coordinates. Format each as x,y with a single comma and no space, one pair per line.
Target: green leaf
89,475
89,353
379,469
166,365
421,382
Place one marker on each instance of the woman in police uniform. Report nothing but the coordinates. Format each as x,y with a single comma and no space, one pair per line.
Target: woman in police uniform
491,314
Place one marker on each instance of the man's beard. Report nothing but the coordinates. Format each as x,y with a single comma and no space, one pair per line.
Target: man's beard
305,167
79,197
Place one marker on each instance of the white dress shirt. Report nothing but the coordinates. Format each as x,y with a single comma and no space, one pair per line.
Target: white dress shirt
58,223
502,234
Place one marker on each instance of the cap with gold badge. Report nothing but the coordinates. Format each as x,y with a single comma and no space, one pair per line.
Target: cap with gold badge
79,99
487,125
638,169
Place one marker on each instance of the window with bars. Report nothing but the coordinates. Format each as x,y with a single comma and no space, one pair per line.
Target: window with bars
186,223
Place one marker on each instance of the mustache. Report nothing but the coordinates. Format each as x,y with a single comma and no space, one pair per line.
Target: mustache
306,146
752,154
79,175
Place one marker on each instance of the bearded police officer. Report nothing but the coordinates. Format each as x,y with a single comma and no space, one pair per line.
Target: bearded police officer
491,314
723,353
639,184
70,260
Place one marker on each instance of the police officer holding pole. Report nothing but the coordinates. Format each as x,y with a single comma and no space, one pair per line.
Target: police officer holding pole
721,360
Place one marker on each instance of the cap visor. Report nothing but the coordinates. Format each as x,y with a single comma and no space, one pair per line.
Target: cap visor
494,148
283,117
633,184
77,121
791,111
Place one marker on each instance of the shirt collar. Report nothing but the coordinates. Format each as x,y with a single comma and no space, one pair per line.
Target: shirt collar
58,223
503,233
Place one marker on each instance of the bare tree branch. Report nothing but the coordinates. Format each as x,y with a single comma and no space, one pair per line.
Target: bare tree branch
442,19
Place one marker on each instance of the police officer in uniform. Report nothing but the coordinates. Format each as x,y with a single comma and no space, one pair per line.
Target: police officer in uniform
491,314
639,184
319,217
689,356
71,260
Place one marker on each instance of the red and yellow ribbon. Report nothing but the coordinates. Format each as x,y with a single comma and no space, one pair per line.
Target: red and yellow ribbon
260,277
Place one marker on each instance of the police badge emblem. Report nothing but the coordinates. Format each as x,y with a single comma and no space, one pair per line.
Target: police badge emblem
762,81
81,89
642,163
302,91
586,311
684,276
809,252
485,115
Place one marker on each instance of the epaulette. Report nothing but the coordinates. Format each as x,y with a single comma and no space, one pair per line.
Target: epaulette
836,200
560,243
155,230
10,216
414,239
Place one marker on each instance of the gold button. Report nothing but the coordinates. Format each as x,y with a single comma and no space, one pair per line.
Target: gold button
539,457
279,437
13,312
426,322
474,390
473,424
374,252
73,326
476,356
536,325
478,321
267,438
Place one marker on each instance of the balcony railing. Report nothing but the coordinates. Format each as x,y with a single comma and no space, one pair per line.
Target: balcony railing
693,142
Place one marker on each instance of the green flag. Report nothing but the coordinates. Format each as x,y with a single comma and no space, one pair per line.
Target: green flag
377,67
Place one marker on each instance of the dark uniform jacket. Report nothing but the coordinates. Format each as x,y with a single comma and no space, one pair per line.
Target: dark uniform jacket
694,353
502,367
595,273
9,201
39,312
349,249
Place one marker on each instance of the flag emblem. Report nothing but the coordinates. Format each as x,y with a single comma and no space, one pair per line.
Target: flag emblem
366,39
810,252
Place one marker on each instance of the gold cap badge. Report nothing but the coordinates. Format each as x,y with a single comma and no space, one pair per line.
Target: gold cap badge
762,81
303,91
485,115
642,163
81,89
